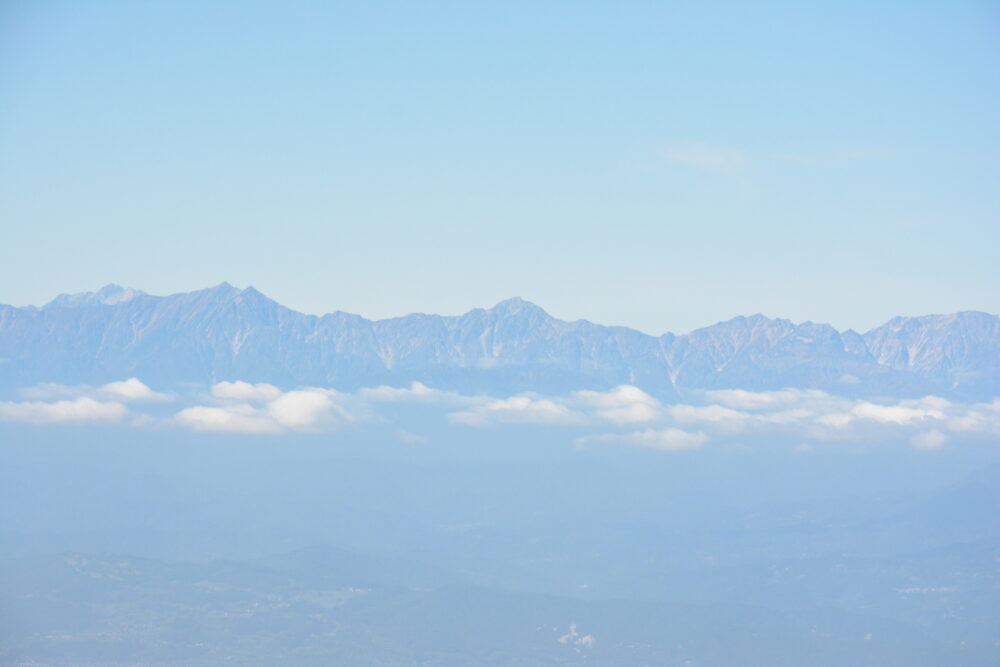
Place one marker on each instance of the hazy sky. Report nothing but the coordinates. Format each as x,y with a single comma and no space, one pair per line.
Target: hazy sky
659,165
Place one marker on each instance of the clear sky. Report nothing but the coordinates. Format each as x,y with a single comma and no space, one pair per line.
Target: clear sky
659,165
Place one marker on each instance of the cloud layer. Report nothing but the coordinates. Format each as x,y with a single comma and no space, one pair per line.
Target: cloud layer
623,416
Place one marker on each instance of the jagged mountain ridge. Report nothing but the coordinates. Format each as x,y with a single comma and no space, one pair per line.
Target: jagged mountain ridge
225,333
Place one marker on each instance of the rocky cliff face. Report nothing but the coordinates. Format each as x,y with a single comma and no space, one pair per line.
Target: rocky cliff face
224,333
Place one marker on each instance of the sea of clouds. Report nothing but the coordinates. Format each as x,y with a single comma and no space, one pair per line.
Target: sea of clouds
623,416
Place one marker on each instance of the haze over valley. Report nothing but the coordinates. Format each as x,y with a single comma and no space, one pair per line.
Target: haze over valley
211,477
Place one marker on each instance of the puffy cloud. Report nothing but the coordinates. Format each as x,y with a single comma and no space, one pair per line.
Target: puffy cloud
244,391
892,414
307,409
573,638
624,404
230,419
524,409
742,399
906,412
668,440
82,409
130,390
417,392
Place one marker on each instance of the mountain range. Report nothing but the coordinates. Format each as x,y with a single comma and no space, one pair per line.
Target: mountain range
227,333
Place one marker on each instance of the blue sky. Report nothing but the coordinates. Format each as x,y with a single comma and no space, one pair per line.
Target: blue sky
658,165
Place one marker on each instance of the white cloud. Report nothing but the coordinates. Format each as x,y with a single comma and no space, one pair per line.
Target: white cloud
668,440
82,409
132,390
417,392
307,409
708,158
524,409
569,636
625,404
573,637
816,415
230,419
742,399
244,391
904,413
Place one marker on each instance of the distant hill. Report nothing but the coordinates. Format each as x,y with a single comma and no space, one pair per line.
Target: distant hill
225,333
